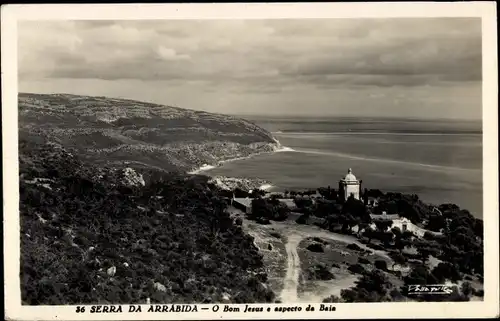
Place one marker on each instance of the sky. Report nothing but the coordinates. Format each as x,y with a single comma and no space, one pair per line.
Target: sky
406,67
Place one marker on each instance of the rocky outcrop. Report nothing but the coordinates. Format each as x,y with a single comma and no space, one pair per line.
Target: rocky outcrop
245,184
132,178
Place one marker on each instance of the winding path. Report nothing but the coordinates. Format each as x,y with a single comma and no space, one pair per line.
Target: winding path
291,280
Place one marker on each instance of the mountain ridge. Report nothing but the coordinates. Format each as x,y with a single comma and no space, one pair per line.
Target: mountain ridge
119,132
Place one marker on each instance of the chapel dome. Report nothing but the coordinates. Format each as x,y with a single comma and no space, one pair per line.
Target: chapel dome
350,176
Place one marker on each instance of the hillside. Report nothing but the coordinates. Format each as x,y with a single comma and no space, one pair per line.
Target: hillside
87,236
115,132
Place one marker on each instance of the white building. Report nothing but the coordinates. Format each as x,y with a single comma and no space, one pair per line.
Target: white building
402,223
350,185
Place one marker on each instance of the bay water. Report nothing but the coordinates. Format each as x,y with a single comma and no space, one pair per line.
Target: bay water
439,160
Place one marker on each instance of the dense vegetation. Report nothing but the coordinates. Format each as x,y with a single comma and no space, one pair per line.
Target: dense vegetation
88,238
455,237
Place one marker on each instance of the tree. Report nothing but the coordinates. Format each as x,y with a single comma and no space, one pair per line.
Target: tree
239,193
348,222
302,202
397,233
397,258
369,233
467,289
386,237
371,287
381,265
426,249
354,207
373,281
478,227
269,209
407,235
325,208
436,222
261,208
446,271
332,299
419,275
383,225
332,221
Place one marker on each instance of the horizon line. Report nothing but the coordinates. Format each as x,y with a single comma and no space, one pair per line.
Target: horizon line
284,115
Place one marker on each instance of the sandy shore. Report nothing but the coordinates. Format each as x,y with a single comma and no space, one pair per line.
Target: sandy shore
205,167
265,186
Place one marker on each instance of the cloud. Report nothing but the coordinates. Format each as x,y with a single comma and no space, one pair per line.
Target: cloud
171,54
379,52
262,65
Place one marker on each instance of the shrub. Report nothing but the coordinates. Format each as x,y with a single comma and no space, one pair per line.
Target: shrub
262,220
467,289
356,268
302,219
376,247
381,265
362,260
332,299
354,247
319,272
315,247
275,235
319,240
396,295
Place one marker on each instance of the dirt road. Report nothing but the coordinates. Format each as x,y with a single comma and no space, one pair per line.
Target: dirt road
291,281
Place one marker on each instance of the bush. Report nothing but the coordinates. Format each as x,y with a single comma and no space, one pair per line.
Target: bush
275,235
356,268
319,240
467,289
263,220
376,247
396,295
316,247
446,271
354,247
362,260
319,272
332,299
381,265
302,219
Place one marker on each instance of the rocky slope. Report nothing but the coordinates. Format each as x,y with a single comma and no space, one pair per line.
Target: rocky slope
127,133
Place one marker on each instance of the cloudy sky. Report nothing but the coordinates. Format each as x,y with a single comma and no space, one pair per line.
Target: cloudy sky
409,67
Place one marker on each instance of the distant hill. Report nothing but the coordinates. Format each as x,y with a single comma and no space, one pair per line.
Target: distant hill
117,132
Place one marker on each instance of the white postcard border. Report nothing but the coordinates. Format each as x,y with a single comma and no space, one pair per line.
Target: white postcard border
486,10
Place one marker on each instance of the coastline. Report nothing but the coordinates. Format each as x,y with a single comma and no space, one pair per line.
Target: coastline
264,186
205,167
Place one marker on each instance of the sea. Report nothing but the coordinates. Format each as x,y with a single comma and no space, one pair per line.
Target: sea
439,160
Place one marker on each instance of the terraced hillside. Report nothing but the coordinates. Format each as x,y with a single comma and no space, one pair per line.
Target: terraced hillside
119,132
